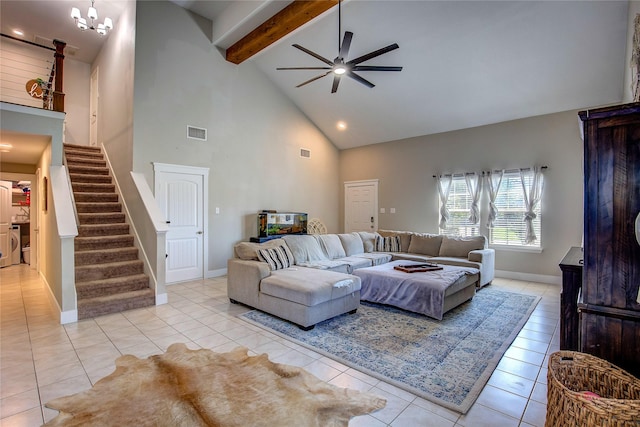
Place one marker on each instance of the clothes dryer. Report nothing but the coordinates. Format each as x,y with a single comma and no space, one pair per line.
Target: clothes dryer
15,244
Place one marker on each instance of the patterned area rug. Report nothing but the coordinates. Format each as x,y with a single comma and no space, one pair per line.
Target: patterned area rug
447,362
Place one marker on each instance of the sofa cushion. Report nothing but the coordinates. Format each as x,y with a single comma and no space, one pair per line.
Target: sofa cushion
461,246
352,243
307,286
327,264
331,245
368,240
278,258
355,262
388,244
376,258
425,244
405,237
249,250
305,248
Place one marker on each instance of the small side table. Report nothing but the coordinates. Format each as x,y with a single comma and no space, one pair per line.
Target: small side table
571,266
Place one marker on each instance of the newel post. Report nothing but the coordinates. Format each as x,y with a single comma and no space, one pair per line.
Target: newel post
58,93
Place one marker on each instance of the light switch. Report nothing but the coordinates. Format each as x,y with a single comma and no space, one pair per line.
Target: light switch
217,210
392,210
382,210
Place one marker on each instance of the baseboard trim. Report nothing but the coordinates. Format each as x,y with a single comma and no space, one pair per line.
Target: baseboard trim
542,278
162,299
70,316
216,273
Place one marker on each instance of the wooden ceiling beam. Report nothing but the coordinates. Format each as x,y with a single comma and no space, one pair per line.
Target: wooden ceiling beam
295,15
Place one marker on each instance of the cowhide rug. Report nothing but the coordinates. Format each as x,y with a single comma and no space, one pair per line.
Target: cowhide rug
185,387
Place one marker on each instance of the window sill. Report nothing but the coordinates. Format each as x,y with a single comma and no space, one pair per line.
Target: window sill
514,248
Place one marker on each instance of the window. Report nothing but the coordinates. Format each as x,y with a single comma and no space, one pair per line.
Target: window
459,205
509,226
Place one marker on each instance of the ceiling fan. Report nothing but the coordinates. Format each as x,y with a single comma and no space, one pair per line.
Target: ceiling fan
339,67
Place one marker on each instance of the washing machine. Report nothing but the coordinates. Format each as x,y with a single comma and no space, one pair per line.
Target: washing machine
15,244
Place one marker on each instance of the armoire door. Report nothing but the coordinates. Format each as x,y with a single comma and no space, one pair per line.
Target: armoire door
610,310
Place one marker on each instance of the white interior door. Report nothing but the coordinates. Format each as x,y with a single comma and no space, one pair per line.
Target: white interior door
5,222
361,206
93,109
181,199
36,220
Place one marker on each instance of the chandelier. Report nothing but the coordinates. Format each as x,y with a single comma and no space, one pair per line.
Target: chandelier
92,14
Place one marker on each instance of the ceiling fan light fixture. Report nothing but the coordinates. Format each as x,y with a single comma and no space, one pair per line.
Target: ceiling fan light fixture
339,70
339,67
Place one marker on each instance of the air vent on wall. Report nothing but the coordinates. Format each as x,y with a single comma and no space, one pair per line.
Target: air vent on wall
305,153
196,133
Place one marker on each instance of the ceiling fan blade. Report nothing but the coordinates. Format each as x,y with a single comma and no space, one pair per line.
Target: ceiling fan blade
314,79
315,55
375,68
357,78
346,44
303,68
373,54
336,82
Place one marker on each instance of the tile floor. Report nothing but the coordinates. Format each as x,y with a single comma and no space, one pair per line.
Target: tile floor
41,360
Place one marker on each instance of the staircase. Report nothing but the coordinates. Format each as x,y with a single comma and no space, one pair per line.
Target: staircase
109,276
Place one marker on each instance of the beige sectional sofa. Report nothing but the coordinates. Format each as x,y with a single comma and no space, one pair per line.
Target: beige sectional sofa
306,278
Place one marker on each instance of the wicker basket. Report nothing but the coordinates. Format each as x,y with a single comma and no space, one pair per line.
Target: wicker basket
571,374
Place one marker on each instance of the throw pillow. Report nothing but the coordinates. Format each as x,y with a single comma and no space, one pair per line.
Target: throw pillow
388,244
278,258
405,237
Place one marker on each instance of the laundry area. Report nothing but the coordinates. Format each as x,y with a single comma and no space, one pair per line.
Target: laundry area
20,229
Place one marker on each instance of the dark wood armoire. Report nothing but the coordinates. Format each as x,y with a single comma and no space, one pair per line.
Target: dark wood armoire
609,310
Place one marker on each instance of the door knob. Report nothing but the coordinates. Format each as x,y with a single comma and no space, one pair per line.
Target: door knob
199,232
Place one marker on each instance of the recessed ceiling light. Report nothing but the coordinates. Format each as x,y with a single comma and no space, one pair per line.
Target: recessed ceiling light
18,32
341,125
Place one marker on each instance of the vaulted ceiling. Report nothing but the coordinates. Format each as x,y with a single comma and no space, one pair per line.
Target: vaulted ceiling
465,63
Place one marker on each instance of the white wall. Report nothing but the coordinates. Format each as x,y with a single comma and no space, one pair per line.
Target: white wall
406,168
76,101
254,132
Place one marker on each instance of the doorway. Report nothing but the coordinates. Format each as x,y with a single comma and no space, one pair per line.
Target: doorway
361,206
180,192
5,223
93,109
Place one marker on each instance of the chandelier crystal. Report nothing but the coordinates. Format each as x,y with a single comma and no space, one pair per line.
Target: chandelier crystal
92,15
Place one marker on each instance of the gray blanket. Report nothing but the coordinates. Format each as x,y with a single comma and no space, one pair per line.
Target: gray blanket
418,292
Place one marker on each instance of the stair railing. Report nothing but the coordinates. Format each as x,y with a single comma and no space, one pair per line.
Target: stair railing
28,75
73,199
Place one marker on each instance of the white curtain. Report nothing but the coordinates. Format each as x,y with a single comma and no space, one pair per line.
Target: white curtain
474,187
532,192
444,187
494,179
